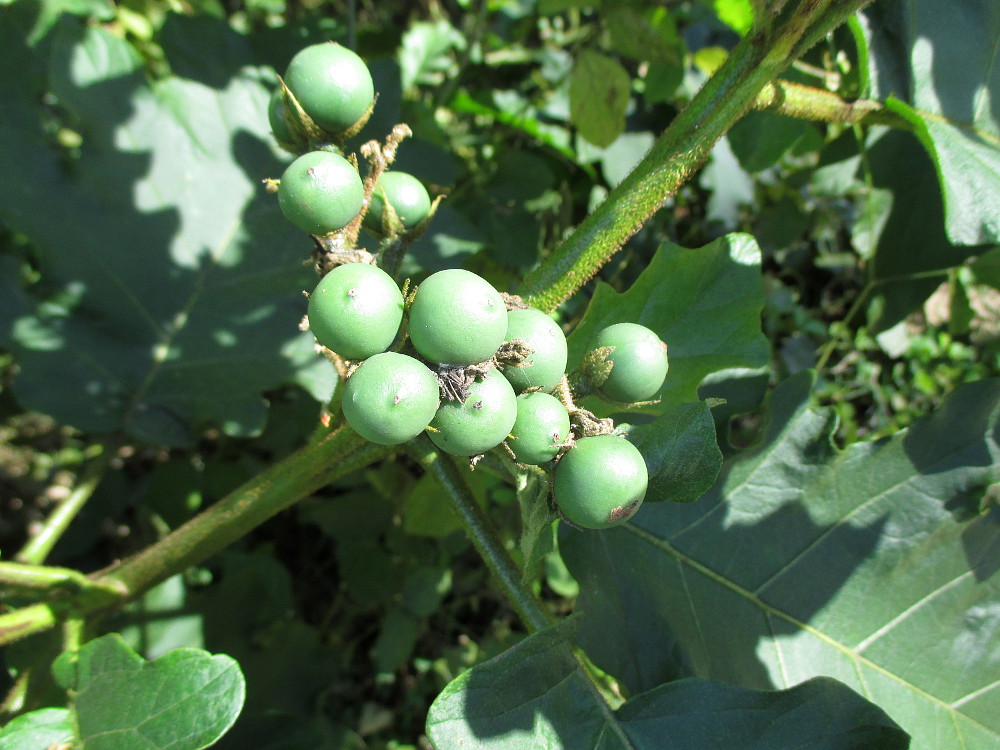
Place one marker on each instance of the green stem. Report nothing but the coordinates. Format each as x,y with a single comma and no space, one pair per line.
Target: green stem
809,103
483,534
270,492
41,544
683,147
299,475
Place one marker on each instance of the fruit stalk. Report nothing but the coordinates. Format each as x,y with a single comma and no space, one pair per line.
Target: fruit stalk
483,534
683,147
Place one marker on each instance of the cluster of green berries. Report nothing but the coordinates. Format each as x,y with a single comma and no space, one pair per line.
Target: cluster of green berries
477,375
327,93
458,324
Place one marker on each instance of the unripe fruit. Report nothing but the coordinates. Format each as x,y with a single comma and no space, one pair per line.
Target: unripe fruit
276,117
390,398
320,192
407,196
356,310
481,423
545,366
600,482
640,362
332,84
541,427
457,318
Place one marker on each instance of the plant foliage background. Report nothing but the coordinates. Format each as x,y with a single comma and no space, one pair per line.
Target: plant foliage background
817,561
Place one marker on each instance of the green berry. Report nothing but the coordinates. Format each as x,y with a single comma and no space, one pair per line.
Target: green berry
481,423
544,367
276,117
356,310
541,427
600,482
407,196
457,318
320,192
640,362
390,398
332,84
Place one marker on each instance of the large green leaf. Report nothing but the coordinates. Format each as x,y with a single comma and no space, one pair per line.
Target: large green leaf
171,287
537,695
704,303
185,700
872,565
939,61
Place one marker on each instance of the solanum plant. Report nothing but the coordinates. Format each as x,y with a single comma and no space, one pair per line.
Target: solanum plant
468,398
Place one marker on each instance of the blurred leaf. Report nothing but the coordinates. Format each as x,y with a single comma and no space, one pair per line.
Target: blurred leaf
737,14
873,565
643,36
731,186
599,92
424,587
178,277
704,303
943,65
186,699
621,156
44,728
537,694
425,54
760,139
396,639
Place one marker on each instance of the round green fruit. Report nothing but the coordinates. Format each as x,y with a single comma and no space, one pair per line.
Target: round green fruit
276,117
640,362
544,367
320,192
390,398
332,84
356,310
457,318
481,423
541,428
407,196
600,482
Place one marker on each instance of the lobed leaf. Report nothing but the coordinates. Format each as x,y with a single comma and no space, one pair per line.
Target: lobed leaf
942,64
184,700
537,694
170,286
704,303
873,565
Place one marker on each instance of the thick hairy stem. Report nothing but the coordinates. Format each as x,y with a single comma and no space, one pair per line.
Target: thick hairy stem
683,147
484,535
270,492
295,477
809,103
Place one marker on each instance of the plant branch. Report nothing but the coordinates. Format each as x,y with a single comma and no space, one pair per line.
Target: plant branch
685,145
41,544
310,468
809,103
483,534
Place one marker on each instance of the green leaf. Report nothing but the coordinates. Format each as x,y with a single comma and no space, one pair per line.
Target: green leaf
538,695
169,279
760,139
872,565
46,727
184,700
942,63
599,91
643,36
704,303
425,54
681,452
737,14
